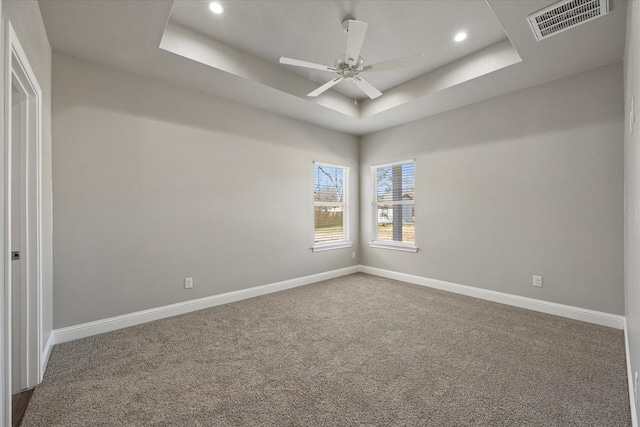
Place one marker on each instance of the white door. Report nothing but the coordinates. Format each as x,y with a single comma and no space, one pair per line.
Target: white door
18,287
20,305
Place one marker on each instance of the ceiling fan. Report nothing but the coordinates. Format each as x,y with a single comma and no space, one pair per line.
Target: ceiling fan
350,65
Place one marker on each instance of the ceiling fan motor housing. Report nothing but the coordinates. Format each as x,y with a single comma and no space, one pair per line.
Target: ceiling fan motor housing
348,71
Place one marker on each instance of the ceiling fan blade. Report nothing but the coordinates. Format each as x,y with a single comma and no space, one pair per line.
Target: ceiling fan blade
407,61
305,64
367,88
355,39
326,86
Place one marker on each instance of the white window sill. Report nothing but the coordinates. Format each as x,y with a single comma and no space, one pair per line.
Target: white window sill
405,247
330,246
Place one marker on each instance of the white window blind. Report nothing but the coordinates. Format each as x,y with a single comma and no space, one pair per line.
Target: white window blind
330,185
394,204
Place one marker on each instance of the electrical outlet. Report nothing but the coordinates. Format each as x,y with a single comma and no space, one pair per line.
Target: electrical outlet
537,281
188,283
353,255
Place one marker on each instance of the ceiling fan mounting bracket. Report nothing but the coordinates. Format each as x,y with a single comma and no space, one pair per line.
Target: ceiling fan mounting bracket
345,24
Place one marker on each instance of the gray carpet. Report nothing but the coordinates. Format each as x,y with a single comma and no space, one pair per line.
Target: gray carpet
357,350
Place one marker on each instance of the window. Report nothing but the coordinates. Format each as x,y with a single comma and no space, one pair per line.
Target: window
394,206
330,184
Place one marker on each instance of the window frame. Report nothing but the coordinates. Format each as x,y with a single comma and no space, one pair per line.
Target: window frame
345,242
390,244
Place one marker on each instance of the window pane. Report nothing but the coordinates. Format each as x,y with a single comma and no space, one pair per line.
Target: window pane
395,183
395,194
402,229
328,223
328,184
330,198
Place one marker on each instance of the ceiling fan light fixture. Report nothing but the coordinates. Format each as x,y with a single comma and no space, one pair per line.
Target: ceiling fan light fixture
216,7
460,36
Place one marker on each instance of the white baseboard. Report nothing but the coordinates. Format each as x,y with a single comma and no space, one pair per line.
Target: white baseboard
632,400
576,313
46,352
118,322
106,325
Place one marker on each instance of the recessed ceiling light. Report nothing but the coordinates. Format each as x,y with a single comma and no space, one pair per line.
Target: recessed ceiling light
216,7
460,36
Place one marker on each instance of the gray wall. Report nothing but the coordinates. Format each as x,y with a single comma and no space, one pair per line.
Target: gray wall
154,183
27,22
522,184
632,185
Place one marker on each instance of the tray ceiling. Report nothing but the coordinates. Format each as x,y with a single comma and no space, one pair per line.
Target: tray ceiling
235,55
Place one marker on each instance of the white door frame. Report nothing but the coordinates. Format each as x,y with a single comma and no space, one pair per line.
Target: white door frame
18,72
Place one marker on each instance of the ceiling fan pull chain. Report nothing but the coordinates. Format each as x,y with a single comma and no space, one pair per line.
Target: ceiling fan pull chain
355,92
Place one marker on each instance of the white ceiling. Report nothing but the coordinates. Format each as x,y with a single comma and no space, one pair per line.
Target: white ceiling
235,55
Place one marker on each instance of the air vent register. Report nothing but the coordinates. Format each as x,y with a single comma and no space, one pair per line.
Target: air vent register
564,15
